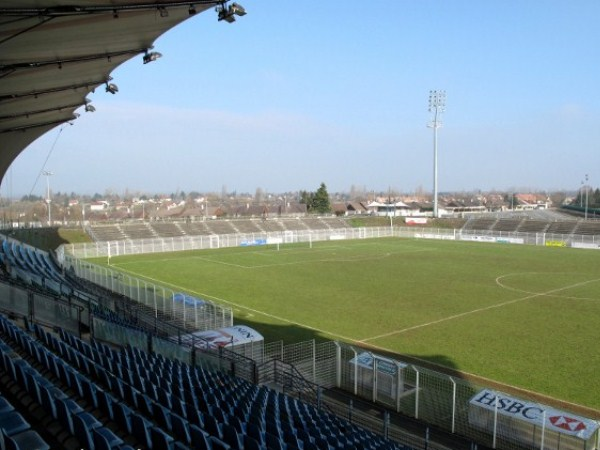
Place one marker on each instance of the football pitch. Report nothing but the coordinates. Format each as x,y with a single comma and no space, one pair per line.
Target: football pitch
521,315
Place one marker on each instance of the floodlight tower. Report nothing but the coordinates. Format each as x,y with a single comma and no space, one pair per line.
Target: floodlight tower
437,105
48,174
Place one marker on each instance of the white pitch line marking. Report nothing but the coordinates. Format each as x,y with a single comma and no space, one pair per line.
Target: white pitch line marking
500,283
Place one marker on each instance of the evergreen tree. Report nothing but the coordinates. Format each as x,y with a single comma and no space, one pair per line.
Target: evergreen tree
320,200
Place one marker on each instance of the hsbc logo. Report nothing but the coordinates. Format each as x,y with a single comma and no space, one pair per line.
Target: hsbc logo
508,405
567,423
534,413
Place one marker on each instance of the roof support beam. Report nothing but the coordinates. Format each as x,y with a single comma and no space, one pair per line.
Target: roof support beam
53,90
73,10
59,62
43,111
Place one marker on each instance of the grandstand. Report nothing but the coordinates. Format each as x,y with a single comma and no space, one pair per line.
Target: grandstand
531,222
78,392
148,230
89,395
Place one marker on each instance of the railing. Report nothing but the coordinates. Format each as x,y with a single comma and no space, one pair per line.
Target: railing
183,243
37,307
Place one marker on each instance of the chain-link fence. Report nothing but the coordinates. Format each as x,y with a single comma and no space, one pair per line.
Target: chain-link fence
110,249
451,402
168,305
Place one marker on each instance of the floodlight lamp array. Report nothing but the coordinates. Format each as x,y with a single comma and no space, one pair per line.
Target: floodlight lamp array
151,56
112,88
437,101
228,13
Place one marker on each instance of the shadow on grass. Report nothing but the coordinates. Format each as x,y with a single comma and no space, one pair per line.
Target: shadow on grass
291,333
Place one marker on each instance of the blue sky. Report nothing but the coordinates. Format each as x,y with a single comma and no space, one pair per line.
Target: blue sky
298,93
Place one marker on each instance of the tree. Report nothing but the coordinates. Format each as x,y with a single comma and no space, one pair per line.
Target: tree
306,198
317,202
320,201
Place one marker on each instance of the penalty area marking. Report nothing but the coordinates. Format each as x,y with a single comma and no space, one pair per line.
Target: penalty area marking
478,310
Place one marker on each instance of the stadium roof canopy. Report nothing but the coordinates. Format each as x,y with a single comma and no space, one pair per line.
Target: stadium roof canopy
54,52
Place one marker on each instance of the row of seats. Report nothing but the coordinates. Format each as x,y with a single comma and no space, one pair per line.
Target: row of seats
168,404
85,427
15,431
155,230
36,268
31,260
184,400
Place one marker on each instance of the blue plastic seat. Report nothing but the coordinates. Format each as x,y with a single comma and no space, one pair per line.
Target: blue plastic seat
218,444
130,395
122,416
13,422
47,401
105,403
160,439
162,416
230,436
211,426
238,424
89,392
255,432
105,439
252,444
5,406
83,427
178,406
194,417
140,428
180,428
200,438
65,408
273,442
25,440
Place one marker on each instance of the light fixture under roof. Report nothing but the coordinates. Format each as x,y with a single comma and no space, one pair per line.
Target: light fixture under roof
238,9
151,56
228,13
88,105
192,9
112,88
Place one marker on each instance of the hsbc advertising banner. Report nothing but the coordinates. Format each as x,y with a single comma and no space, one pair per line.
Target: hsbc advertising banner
536,414
224,337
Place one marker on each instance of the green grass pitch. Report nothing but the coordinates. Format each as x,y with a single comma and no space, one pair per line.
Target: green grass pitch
522,315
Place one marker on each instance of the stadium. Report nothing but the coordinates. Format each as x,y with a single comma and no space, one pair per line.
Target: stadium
205,334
